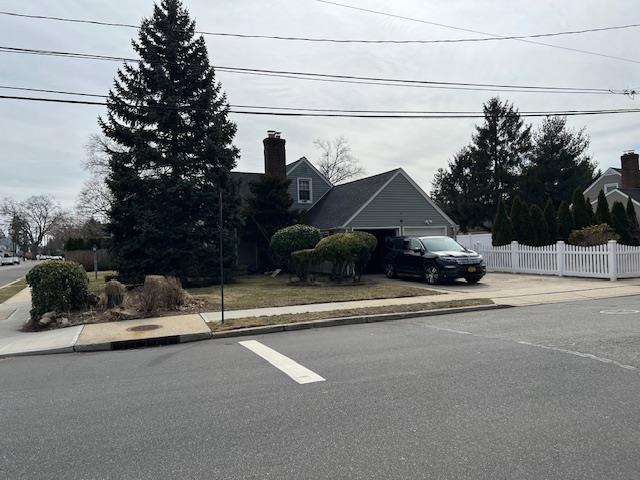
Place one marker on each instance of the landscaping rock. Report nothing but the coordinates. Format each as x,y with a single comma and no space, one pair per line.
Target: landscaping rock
63,322
46,319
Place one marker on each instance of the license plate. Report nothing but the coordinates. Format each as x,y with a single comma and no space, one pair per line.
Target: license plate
471,269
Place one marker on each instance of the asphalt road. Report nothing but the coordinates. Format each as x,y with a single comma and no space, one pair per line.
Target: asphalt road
9,273
451,397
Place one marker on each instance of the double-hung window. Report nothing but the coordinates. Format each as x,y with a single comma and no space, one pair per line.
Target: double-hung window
305,195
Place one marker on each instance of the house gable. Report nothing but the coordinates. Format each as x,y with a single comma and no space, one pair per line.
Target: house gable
608,181
400,202
303,173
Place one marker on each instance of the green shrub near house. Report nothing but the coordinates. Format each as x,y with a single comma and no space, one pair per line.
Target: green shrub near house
592,235
302,262
291,239
345,250
57,286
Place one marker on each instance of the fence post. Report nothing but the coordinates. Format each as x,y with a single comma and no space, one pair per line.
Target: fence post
560,257
612,247
514,257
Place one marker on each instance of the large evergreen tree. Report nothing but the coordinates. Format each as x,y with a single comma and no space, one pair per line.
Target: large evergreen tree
602,210
565,221
552,221
502,231
168,117
268,210
540,230
487,170
581,217
559,162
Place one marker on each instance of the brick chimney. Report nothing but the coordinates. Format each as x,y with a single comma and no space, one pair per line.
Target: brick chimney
630,170
274,155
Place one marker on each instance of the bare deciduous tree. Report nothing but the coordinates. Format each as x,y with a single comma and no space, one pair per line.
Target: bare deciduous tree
40,215
94,199
335,161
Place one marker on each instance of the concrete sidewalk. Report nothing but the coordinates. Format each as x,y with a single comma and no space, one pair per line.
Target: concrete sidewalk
502,289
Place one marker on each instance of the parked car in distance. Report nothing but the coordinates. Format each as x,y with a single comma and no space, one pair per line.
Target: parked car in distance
434,259
9,259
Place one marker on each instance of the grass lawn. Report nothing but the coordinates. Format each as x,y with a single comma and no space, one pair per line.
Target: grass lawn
96,286
233,324
259,291
8,292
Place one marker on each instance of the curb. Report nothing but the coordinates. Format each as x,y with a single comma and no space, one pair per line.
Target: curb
334,322
172,339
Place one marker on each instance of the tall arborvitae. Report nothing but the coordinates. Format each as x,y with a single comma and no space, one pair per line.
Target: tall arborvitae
590,212
168,117
565,221
502,231
602,210
620,222
521,221
540,230
634,228
581,217
551,217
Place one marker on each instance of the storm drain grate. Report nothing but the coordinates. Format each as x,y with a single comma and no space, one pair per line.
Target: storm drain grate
145,342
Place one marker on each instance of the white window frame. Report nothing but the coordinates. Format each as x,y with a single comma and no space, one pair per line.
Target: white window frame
310,190
607,185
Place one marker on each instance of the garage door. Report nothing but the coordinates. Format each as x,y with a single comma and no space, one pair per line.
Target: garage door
424,231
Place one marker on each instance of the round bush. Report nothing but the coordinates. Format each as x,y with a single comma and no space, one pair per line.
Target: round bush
344,250
291,239
57,286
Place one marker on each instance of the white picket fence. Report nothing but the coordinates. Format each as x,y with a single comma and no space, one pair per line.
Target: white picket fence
611,260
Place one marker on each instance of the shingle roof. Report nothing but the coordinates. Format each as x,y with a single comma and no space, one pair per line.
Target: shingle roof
632,192
342,201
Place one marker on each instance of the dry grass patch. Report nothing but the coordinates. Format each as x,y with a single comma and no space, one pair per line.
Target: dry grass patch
237,323
7,292
261,291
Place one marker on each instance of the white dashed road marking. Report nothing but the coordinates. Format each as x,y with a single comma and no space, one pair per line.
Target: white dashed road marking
292,368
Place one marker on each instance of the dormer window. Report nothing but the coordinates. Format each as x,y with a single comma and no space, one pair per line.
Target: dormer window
305,195
608,187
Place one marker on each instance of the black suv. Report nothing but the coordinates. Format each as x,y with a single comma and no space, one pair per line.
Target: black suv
435,259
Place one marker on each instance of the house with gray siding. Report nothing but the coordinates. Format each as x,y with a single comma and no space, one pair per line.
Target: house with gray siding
387,204
618,184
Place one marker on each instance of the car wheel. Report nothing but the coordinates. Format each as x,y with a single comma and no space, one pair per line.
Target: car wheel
432,275
472,279
390,270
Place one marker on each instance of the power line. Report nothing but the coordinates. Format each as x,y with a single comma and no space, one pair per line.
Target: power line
336,40
450,115
462,29
307,109
344,78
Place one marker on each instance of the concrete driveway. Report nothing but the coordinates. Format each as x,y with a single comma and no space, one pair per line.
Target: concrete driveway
520,289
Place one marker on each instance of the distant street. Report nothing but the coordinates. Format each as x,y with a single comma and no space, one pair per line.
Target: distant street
9,273
547,392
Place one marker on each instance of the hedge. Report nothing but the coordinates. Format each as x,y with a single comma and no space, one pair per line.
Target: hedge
291,239
57,286
344,250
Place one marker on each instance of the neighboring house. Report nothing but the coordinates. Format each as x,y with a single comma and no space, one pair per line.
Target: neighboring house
387,204
618,184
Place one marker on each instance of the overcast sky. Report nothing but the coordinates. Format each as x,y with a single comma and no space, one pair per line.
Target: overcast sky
42,145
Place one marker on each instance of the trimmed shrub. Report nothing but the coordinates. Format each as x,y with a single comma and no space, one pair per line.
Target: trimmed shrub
292,239
540,230
634,228
346,250
565,221
502,231
592,235
552,221
521,221
301,263
579,210
603,215
620,222
57,286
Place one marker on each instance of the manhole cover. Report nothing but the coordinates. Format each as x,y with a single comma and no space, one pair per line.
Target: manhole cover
620,311
143,328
